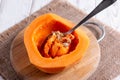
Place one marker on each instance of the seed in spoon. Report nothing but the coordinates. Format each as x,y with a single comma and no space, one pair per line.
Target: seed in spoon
57,44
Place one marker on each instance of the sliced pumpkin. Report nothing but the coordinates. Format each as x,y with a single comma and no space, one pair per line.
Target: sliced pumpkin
35,35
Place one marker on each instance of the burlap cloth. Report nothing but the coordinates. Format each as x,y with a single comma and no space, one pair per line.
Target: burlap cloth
109,66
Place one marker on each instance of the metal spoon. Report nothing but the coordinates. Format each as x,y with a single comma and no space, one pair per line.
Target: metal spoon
104,4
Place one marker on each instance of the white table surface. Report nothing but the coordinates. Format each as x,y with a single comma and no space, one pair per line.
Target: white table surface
13,11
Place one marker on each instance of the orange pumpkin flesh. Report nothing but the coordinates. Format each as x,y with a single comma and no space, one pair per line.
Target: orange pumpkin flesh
56,44
36,33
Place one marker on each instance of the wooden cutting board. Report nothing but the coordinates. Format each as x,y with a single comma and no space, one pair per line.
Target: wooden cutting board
80,71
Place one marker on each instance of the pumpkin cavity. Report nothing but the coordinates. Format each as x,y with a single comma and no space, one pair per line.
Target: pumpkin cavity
57,44
35,35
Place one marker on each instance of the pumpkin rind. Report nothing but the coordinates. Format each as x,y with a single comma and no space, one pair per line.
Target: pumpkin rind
37,32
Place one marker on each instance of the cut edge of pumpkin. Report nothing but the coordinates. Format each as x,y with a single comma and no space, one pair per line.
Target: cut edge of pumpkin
41,62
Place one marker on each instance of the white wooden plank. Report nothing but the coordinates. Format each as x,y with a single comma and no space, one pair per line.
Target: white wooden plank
37,4
0,4
85,5
117,78
111,16
12,12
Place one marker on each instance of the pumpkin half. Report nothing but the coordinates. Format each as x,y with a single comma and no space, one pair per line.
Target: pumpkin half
36,33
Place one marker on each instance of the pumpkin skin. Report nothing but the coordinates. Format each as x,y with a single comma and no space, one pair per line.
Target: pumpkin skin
36,33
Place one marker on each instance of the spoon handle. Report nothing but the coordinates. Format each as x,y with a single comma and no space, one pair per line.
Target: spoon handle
104,4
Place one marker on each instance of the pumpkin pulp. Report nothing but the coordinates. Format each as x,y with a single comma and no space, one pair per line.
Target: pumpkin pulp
56,44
